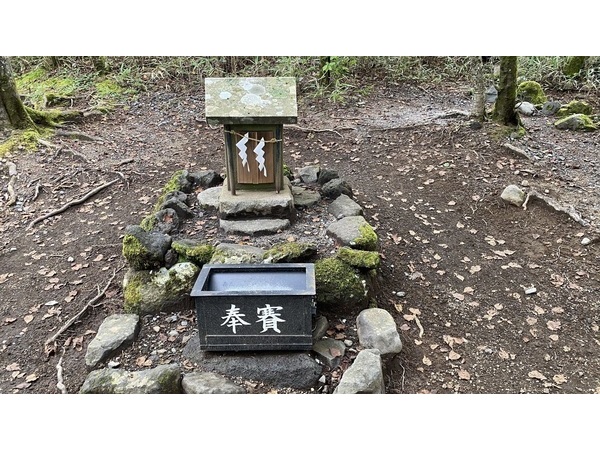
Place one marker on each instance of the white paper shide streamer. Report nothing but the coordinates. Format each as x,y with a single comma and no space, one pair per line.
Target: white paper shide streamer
243,155
260,156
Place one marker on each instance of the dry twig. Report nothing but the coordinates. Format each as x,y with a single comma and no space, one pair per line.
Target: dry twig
72,203
51,340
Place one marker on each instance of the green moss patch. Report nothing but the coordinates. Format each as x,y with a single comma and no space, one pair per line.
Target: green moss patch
531,91
41,90
576,122
361,259
575,107
136,254
338,285
132,293
193,251
367,239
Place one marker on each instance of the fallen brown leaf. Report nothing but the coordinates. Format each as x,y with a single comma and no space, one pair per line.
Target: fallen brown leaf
453,356
28,318
559,378
464,375
537,375
553,325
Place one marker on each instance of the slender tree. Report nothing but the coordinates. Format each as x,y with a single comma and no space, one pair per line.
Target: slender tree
12,111
478,112
504,110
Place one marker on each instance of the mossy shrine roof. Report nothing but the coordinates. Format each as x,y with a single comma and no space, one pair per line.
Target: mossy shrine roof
255,100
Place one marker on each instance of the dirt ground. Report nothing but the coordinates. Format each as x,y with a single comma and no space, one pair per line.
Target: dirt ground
457,260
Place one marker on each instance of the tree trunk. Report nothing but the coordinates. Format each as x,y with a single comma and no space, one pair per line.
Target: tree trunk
478,112
13,110
504,111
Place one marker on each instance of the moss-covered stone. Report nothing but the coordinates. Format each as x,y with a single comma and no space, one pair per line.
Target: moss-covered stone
149,222
150,292
575,107
576,122
132,290
290,252
367,239
196,252
361,259
339,287
163,379
531,91
574,65
136,253
177,182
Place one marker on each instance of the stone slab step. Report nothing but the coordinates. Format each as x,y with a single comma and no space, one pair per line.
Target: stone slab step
254,227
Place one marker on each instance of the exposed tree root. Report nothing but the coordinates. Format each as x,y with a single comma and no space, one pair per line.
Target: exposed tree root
444,115
12,173
59,376
50,344
77,135
71,203
312,130
568,209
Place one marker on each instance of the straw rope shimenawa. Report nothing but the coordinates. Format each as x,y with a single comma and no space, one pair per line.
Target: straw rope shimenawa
270,141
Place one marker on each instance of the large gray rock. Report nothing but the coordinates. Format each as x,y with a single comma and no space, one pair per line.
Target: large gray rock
295,370
237,254
115,332
576,122
344,206
167,221
254,227
550,108
150,292
249,203
209,383
309,174
165,379
206,179
180,207
329,351
305,197
336,187
354,232
526,108
514,195
209,198
326,175
145,250
377,329
365,375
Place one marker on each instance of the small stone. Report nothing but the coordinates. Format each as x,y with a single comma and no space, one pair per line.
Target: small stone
348,343
514,195
113,364
322,380
173,333
530,291
171,319
585,241
526,108
401,294
525,183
